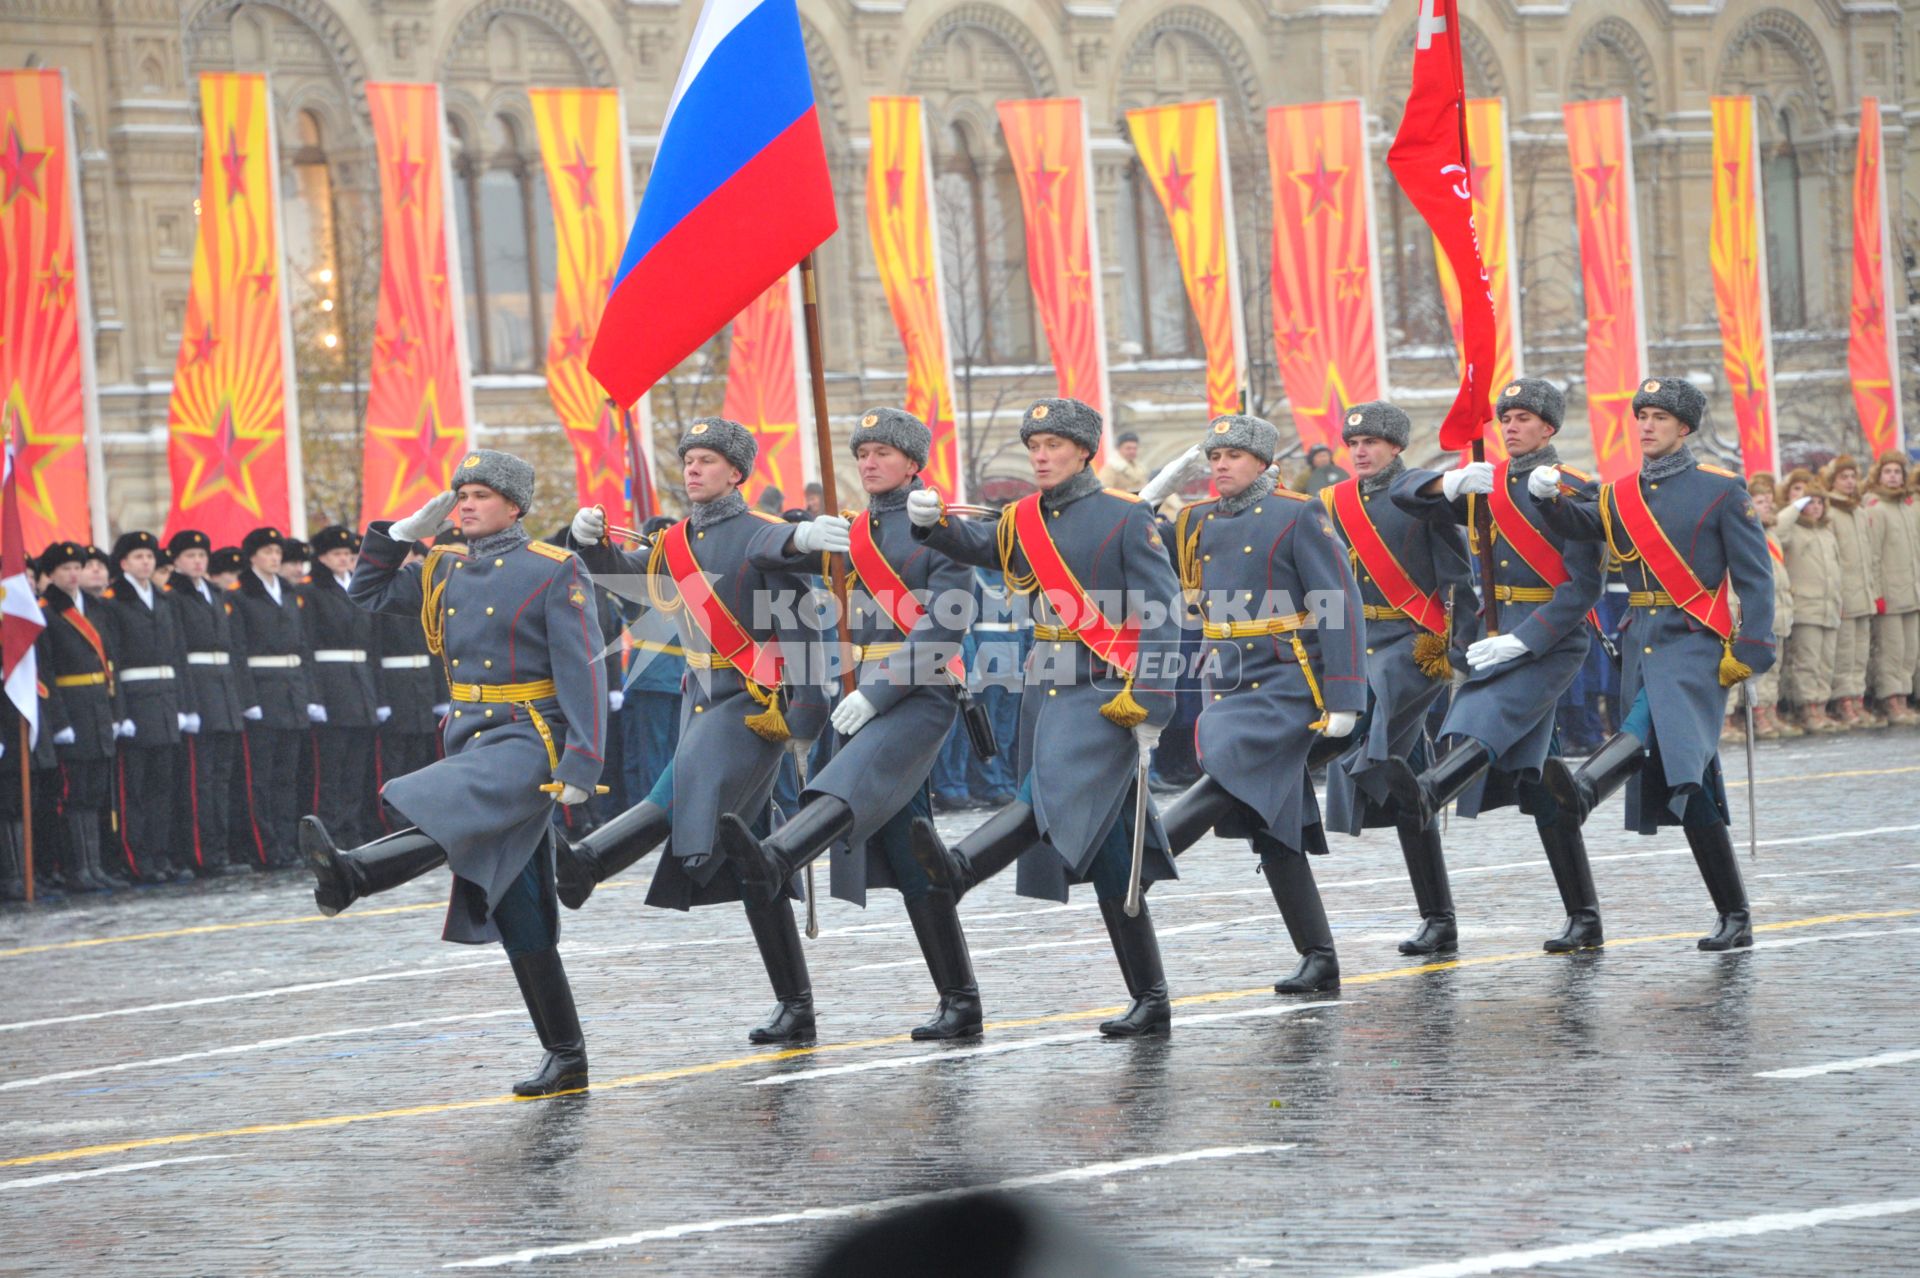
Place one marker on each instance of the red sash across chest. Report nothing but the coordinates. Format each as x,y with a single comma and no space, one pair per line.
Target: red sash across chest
889,591
1378,559
1712,609
758,661
1527,541
1117,645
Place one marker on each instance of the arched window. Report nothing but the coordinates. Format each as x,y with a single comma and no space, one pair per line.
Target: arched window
311,249
983,252
505,223
1159,319
1780,210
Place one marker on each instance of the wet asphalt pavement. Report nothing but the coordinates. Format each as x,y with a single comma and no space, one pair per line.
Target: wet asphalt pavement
216,1081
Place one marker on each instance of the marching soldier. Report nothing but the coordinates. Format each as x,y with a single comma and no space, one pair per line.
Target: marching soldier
267,612
1411,575
1683,643
413,691
890,729
1284,630
1083,741
344,653
513,620
213,677
76,662
749,691
1502,718
150,652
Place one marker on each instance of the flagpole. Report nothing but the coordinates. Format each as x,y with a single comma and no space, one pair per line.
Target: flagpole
26,802
1480,512
823,446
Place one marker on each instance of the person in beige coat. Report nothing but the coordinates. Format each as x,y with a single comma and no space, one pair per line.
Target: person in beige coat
1765,688
1896,624
1859,588
1813,564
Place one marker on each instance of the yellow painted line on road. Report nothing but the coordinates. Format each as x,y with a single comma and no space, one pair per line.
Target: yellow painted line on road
1829,776
821,1049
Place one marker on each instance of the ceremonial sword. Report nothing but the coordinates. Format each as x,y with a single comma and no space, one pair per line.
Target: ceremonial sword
1753,817
1138,867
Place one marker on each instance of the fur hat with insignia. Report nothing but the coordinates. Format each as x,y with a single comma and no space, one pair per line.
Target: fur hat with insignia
1245,432
128,542
337,537
1673,395
295,551
897,428
510,476
188,539
60,552
1536,395
259,539
1067,418
730,439
93,552
225,559
1379,419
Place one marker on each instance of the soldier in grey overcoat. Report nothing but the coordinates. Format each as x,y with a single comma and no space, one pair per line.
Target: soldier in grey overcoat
1502,719
513,619
1084,723
1284,670
1678,666
1408,665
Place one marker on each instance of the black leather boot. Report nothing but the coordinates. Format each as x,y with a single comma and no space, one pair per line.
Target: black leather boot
1432,790
344,877
1427,868
1566,851
991,847
1138,951
543,984
1291,880
1713,852
764,866
936,925
1188,818
777,936
13,862
1605,771
581,867
83,832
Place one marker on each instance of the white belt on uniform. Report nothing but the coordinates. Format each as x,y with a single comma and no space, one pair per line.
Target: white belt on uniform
144,674
340,654
996,627
289,662
419,661
207,658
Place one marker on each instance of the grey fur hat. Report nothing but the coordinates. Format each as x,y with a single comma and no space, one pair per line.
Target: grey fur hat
1676,395
730,439
895,427
1535,394
1067,418
1379,419
1246,432
506,474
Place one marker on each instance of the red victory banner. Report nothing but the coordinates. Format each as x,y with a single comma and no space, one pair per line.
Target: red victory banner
1739,256
1604,209
419,406
233,408
1327,336
900,222
1493,217
1872,359
1183,149
765,362
584,150
47,403
1047,141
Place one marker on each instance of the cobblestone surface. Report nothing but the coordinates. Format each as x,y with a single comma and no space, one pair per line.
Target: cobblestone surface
1512,1102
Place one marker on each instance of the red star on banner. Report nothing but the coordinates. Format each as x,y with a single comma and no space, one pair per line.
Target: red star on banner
222,463
1868,316
262,281
396,350
602,450
1044,179
1209,281
1322,186
1077,285
202,346
420,449
1733,174
405,170
1332,406
37,456
57,283
582,174
1288,338
1349,280
234,161
896,185
572,344
20,167
1179,194
1601,175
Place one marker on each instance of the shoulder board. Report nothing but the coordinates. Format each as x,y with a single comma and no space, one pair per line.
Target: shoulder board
1718,470
1122,493
1580,475
761,514
550,551
1289,494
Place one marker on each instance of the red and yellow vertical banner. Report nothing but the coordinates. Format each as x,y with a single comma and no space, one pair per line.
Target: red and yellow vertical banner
419,407
1873,359
1738,250
232,414
1047,141
1183,148
900,222
583,149
1327,335
46,374
765,361
1603,204
1491,182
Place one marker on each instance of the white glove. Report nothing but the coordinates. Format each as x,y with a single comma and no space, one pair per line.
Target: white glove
63,737
571,796
830,533
1169,476
1544,482
615,699
1146,736
589,526
192,727
1474,477
316,713
924,507
853,713
252,713
424,522
382,713
440,711
1498,650
180,720
1340,723
125,728
1799,504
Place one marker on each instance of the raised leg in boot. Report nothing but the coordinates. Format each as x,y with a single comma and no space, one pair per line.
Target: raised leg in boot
1605,770
581,867
765,865
1713,852
778,937
343,877
1290,879
936,925
1188,818
993,845
1137,949
1425,794
1566,850
549,996
1427,868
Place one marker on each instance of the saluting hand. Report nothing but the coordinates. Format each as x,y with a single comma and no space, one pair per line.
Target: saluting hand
426,521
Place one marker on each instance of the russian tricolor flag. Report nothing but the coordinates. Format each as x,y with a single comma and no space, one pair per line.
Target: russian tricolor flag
738,195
